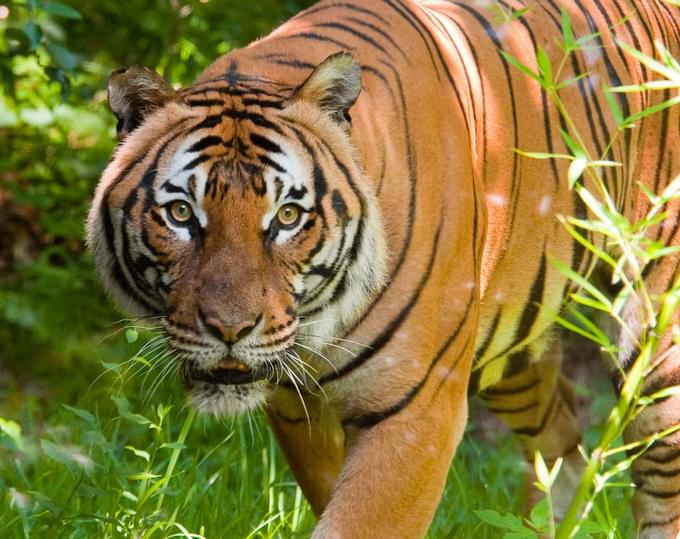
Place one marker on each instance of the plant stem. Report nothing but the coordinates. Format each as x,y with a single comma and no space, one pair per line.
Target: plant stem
174,457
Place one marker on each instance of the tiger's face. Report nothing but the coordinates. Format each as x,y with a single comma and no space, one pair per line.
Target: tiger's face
239,217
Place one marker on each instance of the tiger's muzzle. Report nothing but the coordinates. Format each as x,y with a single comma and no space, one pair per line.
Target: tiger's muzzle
229,371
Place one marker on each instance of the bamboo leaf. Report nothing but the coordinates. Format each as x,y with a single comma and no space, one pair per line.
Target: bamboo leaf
576,168
544,66
592,327
653,109
599,253
589,302
566,324
581,281
515,62
543,155
567,31
574,147
650,62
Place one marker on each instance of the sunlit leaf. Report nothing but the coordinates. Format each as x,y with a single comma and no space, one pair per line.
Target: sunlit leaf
576,168
138,452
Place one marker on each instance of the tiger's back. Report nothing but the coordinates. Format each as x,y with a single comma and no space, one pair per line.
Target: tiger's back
426,237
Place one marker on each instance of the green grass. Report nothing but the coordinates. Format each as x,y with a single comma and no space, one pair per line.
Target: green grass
104,459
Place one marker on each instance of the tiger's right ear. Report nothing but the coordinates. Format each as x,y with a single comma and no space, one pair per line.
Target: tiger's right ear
333,86
134,93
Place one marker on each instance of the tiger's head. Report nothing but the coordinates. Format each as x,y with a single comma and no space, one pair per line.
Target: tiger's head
237,211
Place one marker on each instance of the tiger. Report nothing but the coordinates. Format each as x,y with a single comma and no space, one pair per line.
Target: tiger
334,226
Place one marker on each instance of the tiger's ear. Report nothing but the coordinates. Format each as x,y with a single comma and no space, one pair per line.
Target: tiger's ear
334,86
134,93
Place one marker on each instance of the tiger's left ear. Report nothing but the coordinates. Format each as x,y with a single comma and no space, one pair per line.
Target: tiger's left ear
134,93
333,86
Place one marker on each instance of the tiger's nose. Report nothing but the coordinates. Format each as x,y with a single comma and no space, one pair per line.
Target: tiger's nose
230,334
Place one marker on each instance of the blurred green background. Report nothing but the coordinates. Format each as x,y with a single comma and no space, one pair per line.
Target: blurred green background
94,443
56,135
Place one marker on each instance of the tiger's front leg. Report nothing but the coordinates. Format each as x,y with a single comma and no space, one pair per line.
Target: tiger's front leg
397,461
312,441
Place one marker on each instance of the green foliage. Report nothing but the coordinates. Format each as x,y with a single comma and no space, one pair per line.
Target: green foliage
132,475
607,230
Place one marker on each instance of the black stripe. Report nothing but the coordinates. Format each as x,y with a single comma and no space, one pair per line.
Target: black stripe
473,383
297,64
663,135
498,392
330,273
220,86
263,104
196,161
271,163
207,123
382,33
449,76
254,117
171,188
204,102
371,419
386,335
535,431
657,473
532,309
313,36
132,265
659,523
373,71
516,363
611,27
413,21
514,410
206,142
343,5
265,143
489,337
546,112
660,493
491,33
609,173
356,33
412,176
668,454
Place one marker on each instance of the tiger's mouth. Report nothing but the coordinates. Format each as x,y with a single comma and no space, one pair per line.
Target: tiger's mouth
229,371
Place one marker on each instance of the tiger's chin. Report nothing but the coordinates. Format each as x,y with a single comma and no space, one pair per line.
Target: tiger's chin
230,388
223,400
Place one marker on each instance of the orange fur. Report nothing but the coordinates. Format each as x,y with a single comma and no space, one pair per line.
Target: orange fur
433,234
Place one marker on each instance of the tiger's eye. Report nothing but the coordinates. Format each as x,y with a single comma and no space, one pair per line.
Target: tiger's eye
181,211
288,215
